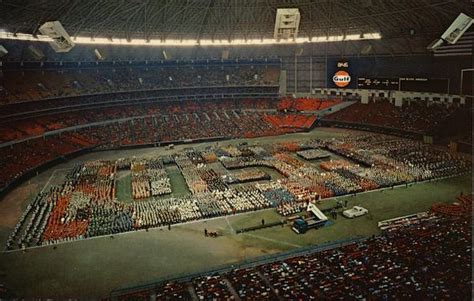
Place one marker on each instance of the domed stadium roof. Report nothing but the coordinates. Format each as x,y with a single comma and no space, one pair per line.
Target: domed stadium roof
230,19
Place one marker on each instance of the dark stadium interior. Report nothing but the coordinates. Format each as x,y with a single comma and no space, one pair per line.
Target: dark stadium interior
236,150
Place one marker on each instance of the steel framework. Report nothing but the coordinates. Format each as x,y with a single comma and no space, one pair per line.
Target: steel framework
230,19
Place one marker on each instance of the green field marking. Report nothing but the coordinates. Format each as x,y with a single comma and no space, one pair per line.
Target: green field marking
178,183
273,173
124,186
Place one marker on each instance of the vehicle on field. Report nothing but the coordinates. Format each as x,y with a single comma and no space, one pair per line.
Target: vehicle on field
355,211
316,220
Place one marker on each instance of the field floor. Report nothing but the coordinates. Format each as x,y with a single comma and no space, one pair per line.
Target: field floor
124,186
92,268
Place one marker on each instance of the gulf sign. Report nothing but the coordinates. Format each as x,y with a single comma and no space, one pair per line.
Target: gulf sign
341,79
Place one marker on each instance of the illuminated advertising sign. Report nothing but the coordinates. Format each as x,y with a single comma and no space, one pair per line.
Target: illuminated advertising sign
341,79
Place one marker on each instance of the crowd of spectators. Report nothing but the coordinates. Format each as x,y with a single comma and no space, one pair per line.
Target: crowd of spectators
306,104
31,142
147,124
395,160
31,85
86,204
39,125
382,161
63,213
21,158
427,256
149,178
291,120
163,212
416,117
212,288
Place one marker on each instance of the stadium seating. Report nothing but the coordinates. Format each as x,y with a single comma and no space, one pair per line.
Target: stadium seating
290,121
306,104
38,125
37,84
145,124
24,156
416,117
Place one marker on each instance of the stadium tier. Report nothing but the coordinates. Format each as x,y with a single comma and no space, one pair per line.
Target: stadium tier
305,104
43,81
30,141
418,118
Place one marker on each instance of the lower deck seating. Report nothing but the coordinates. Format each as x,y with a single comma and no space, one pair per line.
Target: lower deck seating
306,104
205,124
289,121
417,117
34,126
20,158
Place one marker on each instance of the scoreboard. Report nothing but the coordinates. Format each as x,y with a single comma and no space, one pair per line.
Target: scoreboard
378,83
422,84
416,84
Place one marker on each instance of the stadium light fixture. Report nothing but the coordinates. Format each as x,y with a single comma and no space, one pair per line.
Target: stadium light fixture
193,42
319,39
335,38
352,37
371,36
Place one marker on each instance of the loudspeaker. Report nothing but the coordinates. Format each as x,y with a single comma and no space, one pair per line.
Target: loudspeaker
366,49
3,51
36,52
287,23
225,54
98,55
457,28
61,41
435,44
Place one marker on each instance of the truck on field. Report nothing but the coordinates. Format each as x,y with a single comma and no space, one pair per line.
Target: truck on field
315,220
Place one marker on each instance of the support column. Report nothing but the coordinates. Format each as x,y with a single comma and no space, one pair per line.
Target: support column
310,75
283,83
398,96
364,96
296,74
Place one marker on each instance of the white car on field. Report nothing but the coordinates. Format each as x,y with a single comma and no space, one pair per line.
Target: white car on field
355,212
